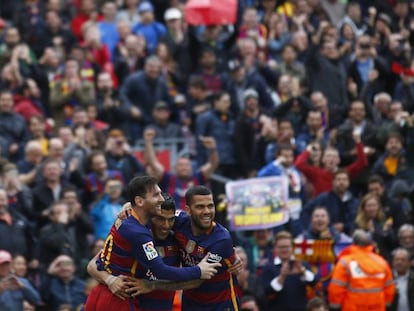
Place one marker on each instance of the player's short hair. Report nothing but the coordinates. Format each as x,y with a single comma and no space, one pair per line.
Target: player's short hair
140,186
196,190
169,203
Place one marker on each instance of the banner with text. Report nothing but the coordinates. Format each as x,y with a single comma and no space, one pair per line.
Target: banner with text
257,203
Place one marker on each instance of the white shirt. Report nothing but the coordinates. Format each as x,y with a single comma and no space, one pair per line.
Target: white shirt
401,281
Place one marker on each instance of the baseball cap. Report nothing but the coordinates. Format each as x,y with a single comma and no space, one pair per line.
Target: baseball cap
5,256
172,13
145,7
250,93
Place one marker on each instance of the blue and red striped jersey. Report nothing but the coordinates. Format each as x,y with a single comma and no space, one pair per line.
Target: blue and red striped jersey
130,250
177,187
220,292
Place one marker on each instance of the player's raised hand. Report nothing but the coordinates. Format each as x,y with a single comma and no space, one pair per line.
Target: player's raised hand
208,270
125,211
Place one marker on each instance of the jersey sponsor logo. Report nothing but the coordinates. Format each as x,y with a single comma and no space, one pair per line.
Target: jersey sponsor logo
190,246
150,250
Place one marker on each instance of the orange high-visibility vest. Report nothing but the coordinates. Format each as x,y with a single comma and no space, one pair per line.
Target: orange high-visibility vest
361,280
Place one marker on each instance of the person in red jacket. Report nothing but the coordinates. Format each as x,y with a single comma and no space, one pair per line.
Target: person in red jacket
322,177
361,280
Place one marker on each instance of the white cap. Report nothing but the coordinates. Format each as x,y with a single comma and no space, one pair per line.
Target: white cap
172,13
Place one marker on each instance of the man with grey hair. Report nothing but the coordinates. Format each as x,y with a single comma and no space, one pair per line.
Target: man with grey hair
141,91
406,239
404,280
361,280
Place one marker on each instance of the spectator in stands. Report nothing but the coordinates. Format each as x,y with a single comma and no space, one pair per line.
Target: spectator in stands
69,92
37,131
62,286
19,195
283,166
119,156
96,52
129,14
131,57
152,30
241,80
108,26
258,247
392,164
162,124
60,235
47,190
342,205
56,35
141,91
27,102
330,161
289,64
327,73
404,279
371,218
81,224
392,208
312,131
12,126
286,278
197,100
285,136
177,39
98,174
317,304
254,128
13,225
106,210
406,239
28,167
320,227
368,66
249,303
249,283
214,79
110,109
356,124
219,123
178,183
14,289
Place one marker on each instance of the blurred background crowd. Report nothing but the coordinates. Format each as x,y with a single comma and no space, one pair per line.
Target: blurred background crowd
93,93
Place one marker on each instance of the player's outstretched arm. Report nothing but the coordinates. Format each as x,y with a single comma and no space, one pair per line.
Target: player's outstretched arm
116,284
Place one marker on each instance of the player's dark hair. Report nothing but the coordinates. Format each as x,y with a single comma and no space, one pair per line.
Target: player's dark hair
196,190
169,203
139,186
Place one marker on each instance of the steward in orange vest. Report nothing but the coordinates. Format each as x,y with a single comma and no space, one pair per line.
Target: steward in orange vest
361,280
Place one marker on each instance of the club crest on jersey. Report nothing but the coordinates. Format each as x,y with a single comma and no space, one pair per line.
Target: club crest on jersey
190,246
150,250
160,251
200,251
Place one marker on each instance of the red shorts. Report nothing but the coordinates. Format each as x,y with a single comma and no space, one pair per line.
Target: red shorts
102,299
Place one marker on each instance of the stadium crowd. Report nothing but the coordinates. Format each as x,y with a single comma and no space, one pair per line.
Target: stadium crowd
320,92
